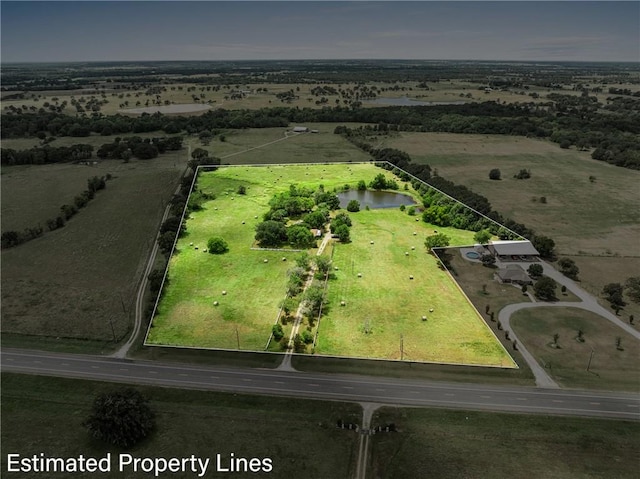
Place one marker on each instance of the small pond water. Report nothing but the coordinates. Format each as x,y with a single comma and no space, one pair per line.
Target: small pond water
405,101
375,199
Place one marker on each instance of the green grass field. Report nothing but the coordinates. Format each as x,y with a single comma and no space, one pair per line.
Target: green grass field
187,315
41,414
392,304
582,217
455,444
610,367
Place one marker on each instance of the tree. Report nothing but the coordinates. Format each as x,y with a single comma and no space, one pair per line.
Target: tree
122,417
545,289
535,270
317,219
632,286
271,233
145,151
217,245
165,242
313,298
362,185
544,245
353,206
277,332
242,190
323,264
613,293
568,268
482,236
299,236
488,260
494,174
379,182
343,233
303,261
439,240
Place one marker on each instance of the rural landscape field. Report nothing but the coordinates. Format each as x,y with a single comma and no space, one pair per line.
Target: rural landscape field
404,231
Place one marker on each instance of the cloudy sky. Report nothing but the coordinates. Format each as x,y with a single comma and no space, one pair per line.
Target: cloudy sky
247,30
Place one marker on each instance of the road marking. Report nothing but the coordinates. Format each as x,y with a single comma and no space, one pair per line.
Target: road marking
414,392
37,362
122,369
247,379
64,364
314,385
595,403
214,377
278,382
183,375
95,367
632,405
449,394
347,387
153,372
9,359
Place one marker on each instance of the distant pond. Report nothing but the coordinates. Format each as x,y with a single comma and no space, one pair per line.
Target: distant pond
375,199
405,101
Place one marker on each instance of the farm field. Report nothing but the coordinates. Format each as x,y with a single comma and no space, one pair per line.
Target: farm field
610,368
78,281
583,217
50,412
254,288
454,444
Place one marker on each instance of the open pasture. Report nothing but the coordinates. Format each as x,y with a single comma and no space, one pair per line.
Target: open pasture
242,319
78,281
382,316
583,216
610,367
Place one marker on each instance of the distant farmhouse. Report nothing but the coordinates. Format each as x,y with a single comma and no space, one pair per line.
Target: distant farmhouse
300,129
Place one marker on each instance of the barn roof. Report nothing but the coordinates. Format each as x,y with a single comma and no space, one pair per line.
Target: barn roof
518,248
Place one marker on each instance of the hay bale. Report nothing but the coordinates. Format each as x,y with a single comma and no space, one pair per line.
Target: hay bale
406,253
191,244
342,303
371,242
243,222
413,247
204,250
215,303
415,233
424,318
431,310
195,247
336,268
284,259
255,217
224,293
359,275
410,276
266,260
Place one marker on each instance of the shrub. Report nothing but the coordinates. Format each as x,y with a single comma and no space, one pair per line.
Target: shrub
353,206
217,245
277,332
494,174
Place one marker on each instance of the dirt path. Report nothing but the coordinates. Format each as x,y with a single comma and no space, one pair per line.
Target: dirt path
363,450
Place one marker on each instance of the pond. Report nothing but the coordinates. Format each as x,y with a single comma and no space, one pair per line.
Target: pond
180,108
405,101
375,199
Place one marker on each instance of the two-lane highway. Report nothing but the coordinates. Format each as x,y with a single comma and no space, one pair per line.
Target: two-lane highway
352,388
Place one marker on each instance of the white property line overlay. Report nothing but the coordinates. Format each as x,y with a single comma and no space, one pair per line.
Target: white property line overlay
325,163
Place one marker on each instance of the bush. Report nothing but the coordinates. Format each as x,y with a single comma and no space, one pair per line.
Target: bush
494,174
277,332
353,206
217,245
307,337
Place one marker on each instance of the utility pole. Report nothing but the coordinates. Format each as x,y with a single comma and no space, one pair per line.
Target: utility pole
237,337
401,347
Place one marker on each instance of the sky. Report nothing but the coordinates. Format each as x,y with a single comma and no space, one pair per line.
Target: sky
54,31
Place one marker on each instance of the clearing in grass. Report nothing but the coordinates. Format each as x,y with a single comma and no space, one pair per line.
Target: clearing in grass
231,301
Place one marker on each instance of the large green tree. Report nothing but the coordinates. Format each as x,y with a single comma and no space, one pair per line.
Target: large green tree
299,236
439,240
568,267
545,289
122,417
271,233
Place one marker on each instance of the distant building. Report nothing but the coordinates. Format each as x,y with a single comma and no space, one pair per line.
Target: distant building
300,129
513,250
316,233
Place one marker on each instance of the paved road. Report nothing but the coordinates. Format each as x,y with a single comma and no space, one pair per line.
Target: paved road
352,388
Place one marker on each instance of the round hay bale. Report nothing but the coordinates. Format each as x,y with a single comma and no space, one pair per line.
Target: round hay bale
359,275
336,268
406,253
342,303
216,208
191,244
413,247
215,303
243,222
371,242
224,293
284,259
266,260
410,276
195,247
255,217
204,250
424,318
417,219
415,233
431,310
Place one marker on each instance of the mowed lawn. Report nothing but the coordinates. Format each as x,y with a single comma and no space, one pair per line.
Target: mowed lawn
254,289
391,305
187,315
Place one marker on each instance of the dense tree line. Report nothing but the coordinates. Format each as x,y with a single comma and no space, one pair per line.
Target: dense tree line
42,155
568,120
